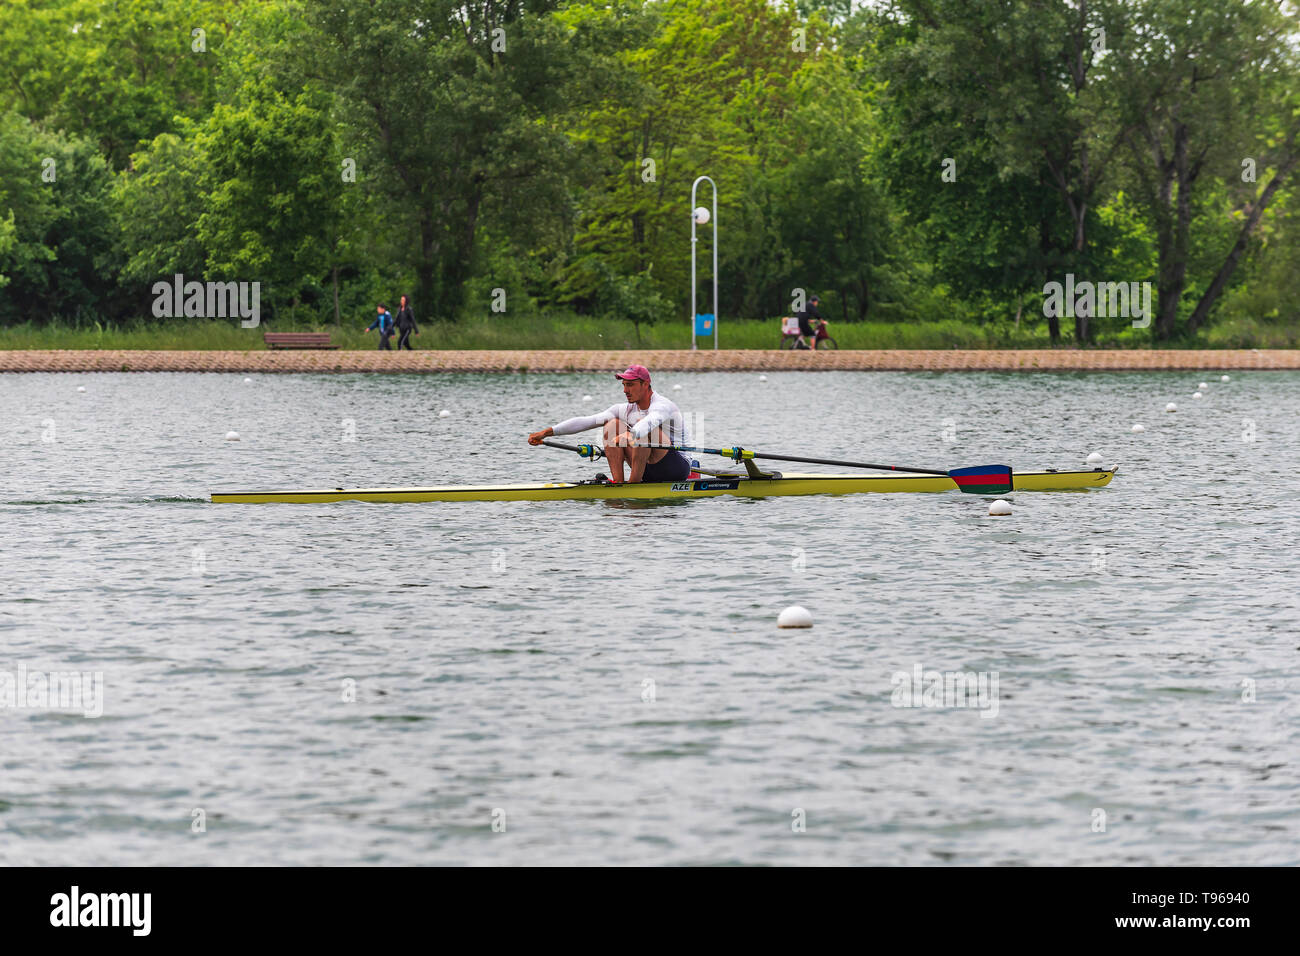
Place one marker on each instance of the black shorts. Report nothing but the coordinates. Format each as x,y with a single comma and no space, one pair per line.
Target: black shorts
671,467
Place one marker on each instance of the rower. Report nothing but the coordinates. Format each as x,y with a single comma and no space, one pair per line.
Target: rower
640,433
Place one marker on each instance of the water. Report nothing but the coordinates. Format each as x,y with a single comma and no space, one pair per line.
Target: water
604,681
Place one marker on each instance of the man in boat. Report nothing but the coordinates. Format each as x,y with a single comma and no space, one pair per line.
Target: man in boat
640,433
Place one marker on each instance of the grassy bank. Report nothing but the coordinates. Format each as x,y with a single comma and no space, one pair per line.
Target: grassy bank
566,331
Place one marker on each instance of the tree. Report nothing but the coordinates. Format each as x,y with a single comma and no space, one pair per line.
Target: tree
456,103
158,203
1015,83
63,255
833,215
1199,89
116,71
707,92
271,190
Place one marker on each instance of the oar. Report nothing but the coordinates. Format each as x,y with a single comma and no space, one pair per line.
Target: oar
586,451
978,480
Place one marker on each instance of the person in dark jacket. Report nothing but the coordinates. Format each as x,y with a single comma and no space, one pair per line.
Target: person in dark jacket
405,325
806,327
384,323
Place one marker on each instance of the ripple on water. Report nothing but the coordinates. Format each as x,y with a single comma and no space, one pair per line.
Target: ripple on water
380,684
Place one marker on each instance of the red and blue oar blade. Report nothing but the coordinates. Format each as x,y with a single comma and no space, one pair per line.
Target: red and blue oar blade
983,479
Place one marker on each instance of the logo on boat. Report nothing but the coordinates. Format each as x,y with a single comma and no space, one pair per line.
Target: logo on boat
705,485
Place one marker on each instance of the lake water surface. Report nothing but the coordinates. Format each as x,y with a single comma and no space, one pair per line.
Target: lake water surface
603,682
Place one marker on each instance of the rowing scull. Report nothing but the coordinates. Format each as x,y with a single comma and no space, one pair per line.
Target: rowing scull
704,487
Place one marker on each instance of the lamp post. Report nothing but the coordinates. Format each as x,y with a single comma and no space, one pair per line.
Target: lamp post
700,216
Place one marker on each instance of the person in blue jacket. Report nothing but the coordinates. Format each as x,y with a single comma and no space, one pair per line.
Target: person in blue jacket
384,323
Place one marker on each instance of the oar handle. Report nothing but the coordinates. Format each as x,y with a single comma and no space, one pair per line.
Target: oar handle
586,451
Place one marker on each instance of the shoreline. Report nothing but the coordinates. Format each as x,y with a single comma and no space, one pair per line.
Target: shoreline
667,360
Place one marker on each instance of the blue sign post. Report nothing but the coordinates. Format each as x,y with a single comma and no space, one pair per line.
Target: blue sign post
703,324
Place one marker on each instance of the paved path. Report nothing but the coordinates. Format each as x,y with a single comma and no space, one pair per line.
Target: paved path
732,360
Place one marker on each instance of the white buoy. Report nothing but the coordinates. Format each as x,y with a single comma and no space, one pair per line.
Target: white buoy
762,378
81,388
1203,386
1223,378
1138,429
795,616
1197,395
444,414
232,436
586,398
1171,407
1095,458
677,388
248,381
1000,507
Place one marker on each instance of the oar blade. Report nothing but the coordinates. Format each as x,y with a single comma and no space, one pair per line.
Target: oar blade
983,479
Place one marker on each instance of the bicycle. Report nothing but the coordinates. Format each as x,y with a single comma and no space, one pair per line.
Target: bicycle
790,336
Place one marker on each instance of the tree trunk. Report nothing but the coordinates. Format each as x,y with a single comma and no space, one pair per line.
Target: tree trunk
458,271
338,317
424,273
1175,231
1044,249
1229,266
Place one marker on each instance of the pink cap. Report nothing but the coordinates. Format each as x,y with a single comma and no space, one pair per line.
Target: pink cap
635,371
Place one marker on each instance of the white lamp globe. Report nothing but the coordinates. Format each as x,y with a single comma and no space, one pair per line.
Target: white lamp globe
701,215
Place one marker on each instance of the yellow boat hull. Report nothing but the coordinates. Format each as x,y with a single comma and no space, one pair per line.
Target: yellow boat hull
787,484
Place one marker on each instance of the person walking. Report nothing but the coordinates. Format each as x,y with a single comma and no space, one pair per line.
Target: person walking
405,325
384,323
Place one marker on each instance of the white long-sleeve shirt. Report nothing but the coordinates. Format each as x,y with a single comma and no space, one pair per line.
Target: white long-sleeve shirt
662,412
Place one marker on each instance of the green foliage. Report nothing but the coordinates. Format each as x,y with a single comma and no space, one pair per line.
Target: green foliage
830,207
636,298
270,190
62,254
547,148
159,204
116,71
8,240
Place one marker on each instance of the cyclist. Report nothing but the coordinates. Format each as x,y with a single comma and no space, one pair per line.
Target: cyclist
806,327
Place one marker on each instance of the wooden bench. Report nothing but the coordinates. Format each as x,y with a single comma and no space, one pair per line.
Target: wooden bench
298,340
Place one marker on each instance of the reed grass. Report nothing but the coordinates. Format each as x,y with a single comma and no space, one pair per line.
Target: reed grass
547,331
